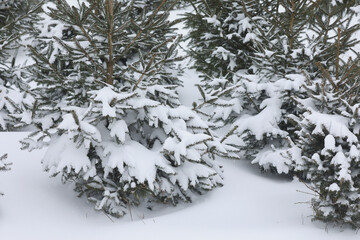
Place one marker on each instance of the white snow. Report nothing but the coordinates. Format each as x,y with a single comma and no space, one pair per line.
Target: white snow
105,96
137,160
334,187
213,20
119,129
264,122
250,206
63,154
340,160
279,159
329,142
336,125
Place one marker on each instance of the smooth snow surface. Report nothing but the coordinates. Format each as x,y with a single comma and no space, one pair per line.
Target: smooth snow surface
250,206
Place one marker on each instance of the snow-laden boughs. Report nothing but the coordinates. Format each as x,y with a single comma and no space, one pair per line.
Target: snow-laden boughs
3,166
15,108
253,111
221,36
283,49
301,34
257,110
125,146
329,141
108,109
15,22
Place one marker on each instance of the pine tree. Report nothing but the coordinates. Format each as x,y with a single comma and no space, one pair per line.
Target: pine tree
328,128
281,59
260,107
251,103
111,115
222,41
329,142
311,32
15,21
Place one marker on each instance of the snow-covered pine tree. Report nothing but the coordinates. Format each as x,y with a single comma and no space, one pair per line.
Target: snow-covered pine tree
259,108
112,118
304,32
15,21
329,141
222,41
3,166
328,133
251,104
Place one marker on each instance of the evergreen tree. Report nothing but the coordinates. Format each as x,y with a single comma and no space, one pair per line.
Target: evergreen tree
329,142
111,115
259,107
328,128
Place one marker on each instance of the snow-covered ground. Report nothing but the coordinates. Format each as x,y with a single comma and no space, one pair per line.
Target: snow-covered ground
250,206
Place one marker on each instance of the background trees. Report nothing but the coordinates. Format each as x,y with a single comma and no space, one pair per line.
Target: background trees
256,99
16,19
281,102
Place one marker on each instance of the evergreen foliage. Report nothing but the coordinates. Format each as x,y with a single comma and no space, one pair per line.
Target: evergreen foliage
289,37
329,142
221,37
108,108
16,19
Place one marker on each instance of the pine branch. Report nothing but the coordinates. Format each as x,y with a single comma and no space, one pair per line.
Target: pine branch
31,11
99,67
148,25
326,74
145,71
44,59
